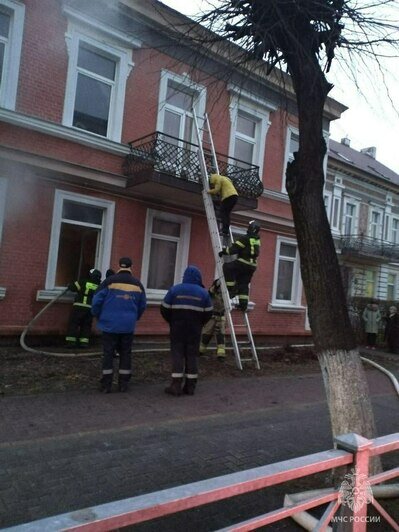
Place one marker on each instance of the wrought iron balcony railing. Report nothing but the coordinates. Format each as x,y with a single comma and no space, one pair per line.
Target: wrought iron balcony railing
170,155
368,246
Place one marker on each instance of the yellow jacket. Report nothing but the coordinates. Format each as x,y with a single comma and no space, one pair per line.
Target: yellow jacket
222,185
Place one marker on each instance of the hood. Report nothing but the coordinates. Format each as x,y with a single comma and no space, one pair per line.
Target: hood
192,275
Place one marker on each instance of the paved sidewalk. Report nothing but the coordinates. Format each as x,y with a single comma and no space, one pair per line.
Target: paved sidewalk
63,452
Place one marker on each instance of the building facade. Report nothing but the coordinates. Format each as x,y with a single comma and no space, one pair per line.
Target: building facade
98,160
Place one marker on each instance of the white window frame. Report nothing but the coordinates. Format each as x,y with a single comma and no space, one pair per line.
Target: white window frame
182,249
199,96
296,292
123,59
288,155
12,56
350,201
256,109
379,228
104,255
327,203
394,230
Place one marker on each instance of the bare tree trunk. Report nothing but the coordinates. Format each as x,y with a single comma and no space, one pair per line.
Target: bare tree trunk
344,377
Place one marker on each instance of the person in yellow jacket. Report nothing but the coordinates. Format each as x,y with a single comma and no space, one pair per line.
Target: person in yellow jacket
223,186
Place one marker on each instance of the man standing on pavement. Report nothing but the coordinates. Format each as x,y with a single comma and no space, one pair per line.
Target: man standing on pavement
118,304
186,307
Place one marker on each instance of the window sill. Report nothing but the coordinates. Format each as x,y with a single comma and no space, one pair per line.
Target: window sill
275,307
49,295
2,292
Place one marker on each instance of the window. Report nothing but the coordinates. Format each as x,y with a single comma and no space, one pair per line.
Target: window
291,146
12,15
327,204
178,96
375,229
287,285
96,83
391,287
165,251
395,231
349,222
249,123
370,277
80,237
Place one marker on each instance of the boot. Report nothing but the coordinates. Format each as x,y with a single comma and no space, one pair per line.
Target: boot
202,349
189,386
220,352
175,387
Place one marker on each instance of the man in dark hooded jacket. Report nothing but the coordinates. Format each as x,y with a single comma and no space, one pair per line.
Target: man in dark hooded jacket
186,307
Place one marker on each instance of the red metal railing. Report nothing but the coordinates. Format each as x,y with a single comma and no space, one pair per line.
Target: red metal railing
351,449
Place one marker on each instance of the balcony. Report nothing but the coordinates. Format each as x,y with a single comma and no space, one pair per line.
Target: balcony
368,247
158,163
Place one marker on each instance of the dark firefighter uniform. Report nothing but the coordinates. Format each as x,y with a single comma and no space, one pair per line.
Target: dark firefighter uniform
238,273
186,307
217,324
80,320
118,305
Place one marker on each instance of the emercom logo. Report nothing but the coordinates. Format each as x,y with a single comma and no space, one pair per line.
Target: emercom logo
355,491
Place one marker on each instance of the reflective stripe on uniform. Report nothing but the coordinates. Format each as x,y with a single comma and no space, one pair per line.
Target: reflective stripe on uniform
191,375
125,371
177,375
107,371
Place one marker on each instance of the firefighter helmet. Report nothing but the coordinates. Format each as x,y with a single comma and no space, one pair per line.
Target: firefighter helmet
95,275
253,228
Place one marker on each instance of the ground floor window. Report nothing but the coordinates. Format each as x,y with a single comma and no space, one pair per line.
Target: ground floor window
165,251
80,237
286,286
391,287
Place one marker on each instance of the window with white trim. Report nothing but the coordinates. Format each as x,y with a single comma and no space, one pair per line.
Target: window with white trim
81,237
375,225
349,218
370,283
96,84
291,146
391,286
165,254
327,204
3,185
287,281
249,123
12,15
395,230
178,96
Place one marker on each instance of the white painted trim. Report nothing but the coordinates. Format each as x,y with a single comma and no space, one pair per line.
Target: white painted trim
123,63
351,201
262,119
104,251
275,307
2,292
380,211
296,277
199,93
181,254
9,85
274,194
56,130
118,36
3,192
49,295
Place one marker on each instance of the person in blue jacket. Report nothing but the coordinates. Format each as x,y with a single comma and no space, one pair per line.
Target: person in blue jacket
186,307
119,302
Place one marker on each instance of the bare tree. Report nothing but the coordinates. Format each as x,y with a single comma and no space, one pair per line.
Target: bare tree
301,38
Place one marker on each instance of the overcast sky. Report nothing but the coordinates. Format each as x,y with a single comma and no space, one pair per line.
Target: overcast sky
370,120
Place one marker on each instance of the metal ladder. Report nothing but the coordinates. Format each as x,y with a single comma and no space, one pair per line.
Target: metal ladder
217,246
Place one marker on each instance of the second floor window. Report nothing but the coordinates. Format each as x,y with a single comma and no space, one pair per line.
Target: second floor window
375,224
349,221
11,31
96,84
245,139
395,231
178,117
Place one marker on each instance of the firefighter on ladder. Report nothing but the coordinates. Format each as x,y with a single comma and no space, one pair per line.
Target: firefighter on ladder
239,272
216,325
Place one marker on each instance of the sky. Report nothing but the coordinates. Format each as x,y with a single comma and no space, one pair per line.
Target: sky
371,119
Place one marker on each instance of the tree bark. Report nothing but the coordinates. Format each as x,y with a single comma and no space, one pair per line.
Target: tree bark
344,377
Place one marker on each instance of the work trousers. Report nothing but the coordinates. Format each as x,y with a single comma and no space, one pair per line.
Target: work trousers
79,326
216,325
121,343
226,206
184,349
238,275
